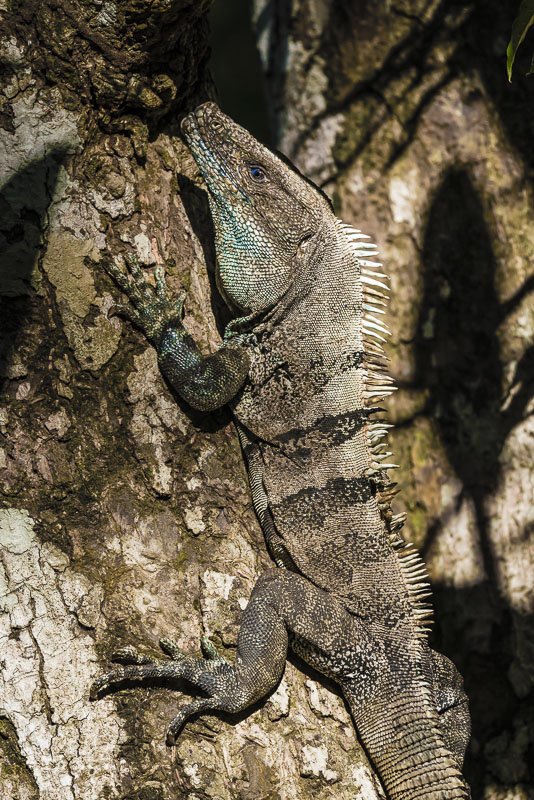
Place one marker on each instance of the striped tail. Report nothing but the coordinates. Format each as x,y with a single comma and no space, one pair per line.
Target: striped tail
401,736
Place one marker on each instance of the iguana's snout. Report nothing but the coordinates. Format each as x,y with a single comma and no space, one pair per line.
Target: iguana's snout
206,129
204,115
207,137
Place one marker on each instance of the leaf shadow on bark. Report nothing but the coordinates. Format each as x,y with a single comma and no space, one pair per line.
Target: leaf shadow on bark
458,366
274,22
405,63
24,202
406,78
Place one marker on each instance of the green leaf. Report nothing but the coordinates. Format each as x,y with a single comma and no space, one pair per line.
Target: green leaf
531,70
522,23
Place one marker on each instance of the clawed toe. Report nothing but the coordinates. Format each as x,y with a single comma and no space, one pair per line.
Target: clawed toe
122,310
179,304
140,282
209,651
159,278
175,727
172,649
112,269
98,686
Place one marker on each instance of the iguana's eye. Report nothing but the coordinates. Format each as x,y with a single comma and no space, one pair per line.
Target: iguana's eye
257,173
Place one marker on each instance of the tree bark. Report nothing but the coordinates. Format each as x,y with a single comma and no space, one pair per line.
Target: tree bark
404,115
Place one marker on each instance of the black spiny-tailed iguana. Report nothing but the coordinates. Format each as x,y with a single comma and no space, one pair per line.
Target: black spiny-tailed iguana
302,369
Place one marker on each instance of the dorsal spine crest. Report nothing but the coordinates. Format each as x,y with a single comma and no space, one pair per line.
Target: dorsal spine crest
378,385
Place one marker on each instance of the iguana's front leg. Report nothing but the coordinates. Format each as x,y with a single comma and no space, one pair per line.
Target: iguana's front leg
205,382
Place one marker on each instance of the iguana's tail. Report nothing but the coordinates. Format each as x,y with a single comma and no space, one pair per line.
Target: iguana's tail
401,735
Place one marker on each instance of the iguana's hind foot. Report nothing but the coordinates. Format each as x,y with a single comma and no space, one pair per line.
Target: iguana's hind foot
281,603
212,674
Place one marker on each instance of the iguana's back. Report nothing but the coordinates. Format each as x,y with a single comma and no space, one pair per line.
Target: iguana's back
310,407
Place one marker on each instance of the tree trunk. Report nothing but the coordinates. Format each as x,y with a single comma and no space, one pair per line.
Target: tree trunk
404,114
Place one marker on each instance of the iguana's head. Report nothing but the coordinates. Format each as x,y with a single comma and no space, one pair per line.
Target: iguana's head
267,217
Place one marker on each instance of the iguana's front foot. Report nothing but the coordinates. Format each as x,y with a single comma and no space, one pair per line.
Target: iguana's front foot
212,674
205,382
151,308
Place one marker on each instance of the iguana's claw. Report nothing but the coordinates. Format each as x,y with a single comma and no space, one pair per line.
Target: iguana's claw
159,278
176,725
97,685
118,276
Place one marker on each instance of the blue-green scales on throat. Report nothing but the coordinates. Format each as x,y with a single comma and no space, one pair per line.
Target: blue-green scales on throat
303,371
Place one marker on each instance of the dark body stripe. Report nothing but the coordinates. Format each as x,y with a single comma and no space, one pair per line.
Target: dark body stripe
328,431
301,379
313,505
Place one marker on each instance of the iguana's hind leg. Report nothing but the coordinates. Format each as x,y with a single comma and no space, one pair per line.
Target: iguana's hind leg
281,603
451,704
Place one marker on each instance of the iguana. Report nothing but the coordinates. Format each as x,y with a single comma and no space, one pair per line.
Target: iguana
303,371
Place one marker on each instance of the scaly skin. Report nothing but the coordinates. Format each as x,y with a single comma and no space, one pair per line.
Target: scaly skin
302,369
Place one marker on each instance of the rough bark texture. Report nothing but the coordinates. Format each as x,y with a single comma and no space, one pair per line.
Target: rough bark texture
405,116
125,516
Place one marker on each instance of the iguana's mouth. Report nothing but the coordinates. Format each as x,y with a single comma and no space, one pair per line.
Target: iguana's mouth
205,136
